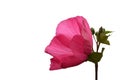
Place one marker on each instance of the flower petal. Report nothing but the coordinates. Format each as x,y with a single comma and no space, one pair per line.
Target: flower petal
68,27
77,47
86,33
59,47
76,26
71,61
55,64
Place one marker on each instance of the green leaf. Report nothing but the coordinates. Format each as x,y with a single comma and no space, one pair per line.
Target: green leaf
95,57
101,29
106,42
107,32
103,37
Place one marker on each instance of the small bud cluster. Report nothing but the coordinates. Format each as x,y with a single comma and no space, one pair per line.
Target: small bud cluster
100,37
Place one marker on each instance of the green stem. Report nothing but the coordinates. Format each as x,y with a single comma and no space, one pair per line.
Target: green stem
96,64
96,71
98,45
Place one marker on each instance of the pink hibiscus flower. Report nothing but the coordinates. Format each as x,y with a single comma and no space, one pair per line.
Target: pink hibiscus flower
72,43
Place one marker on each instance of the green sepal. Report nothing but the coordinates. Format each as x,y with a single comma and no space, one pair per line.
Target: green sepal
95,57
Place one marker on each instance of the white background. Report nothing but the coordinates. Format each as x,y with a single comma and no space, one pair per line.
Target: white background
27,26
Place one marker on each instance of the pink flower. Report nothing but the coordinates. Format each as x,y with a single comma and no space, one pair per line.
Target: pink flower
72,43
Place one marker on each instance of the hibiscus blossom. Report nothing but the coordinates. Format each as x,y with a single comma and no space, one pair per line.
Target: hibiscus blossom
72,43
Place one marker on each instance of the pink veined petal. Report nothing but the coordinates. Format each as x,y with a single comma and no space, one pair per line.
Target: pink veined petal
59,47
87,47
77,44
68,28
71,61
66,56
55,64
86,33
77,47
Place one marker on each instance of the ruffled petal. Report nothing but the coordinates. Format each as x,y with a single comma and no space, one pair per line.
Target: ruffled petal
71,61
86,33
59,47
55,64
68,28
66,55
76,26
77,47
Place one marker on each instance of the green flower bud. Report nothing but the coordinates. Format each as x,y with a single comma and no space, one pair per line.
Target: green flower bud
93,31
